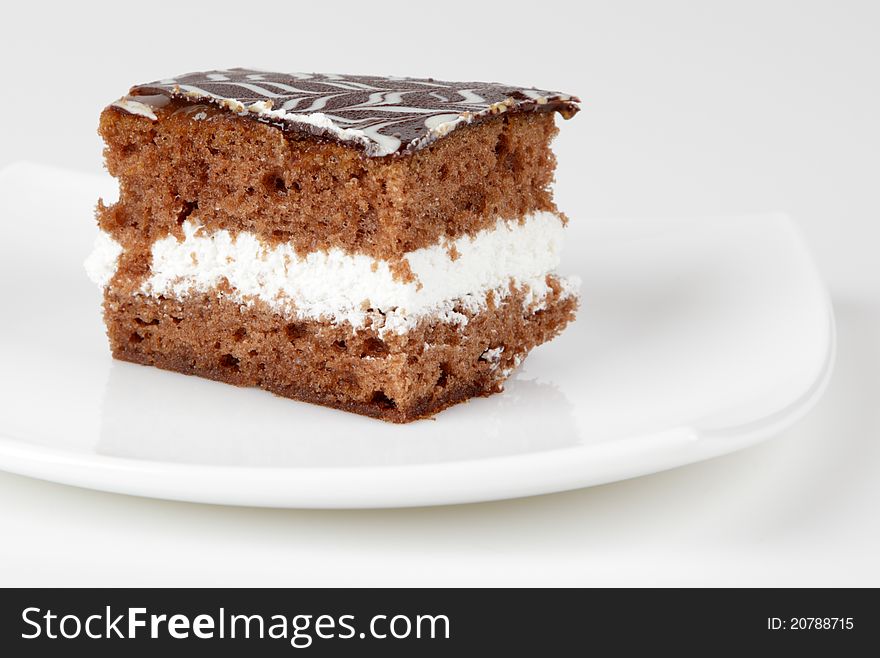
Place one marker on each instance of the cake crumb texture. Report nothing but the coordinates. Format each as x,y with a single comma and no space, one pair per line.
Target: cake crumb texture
316,194
402,378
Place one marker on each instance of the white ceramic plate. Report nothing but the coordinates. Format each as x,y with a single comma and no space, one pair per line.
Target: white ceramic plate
696,337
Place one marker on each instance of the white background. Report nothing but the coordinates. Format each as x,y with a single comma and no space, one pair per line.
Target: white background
690,108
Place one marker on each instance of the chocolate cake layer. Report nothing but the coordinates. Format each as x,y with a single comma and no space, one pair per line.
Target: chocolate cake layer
242,175
399,378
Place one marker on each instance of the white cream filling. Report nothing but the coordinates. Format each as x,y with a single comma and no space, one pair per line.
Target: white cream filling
101,263
336,286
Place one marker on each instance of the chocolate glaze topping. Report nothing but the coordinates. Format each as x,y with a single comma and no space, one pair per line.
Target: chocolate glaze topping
383,115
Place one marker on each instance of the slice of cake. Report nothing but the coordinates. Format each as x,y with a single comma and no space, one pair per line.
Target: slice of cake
375,244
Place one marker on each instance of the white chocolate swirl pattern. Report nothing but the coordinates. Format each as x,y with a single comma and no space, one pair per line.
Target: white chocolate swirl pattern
383,115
